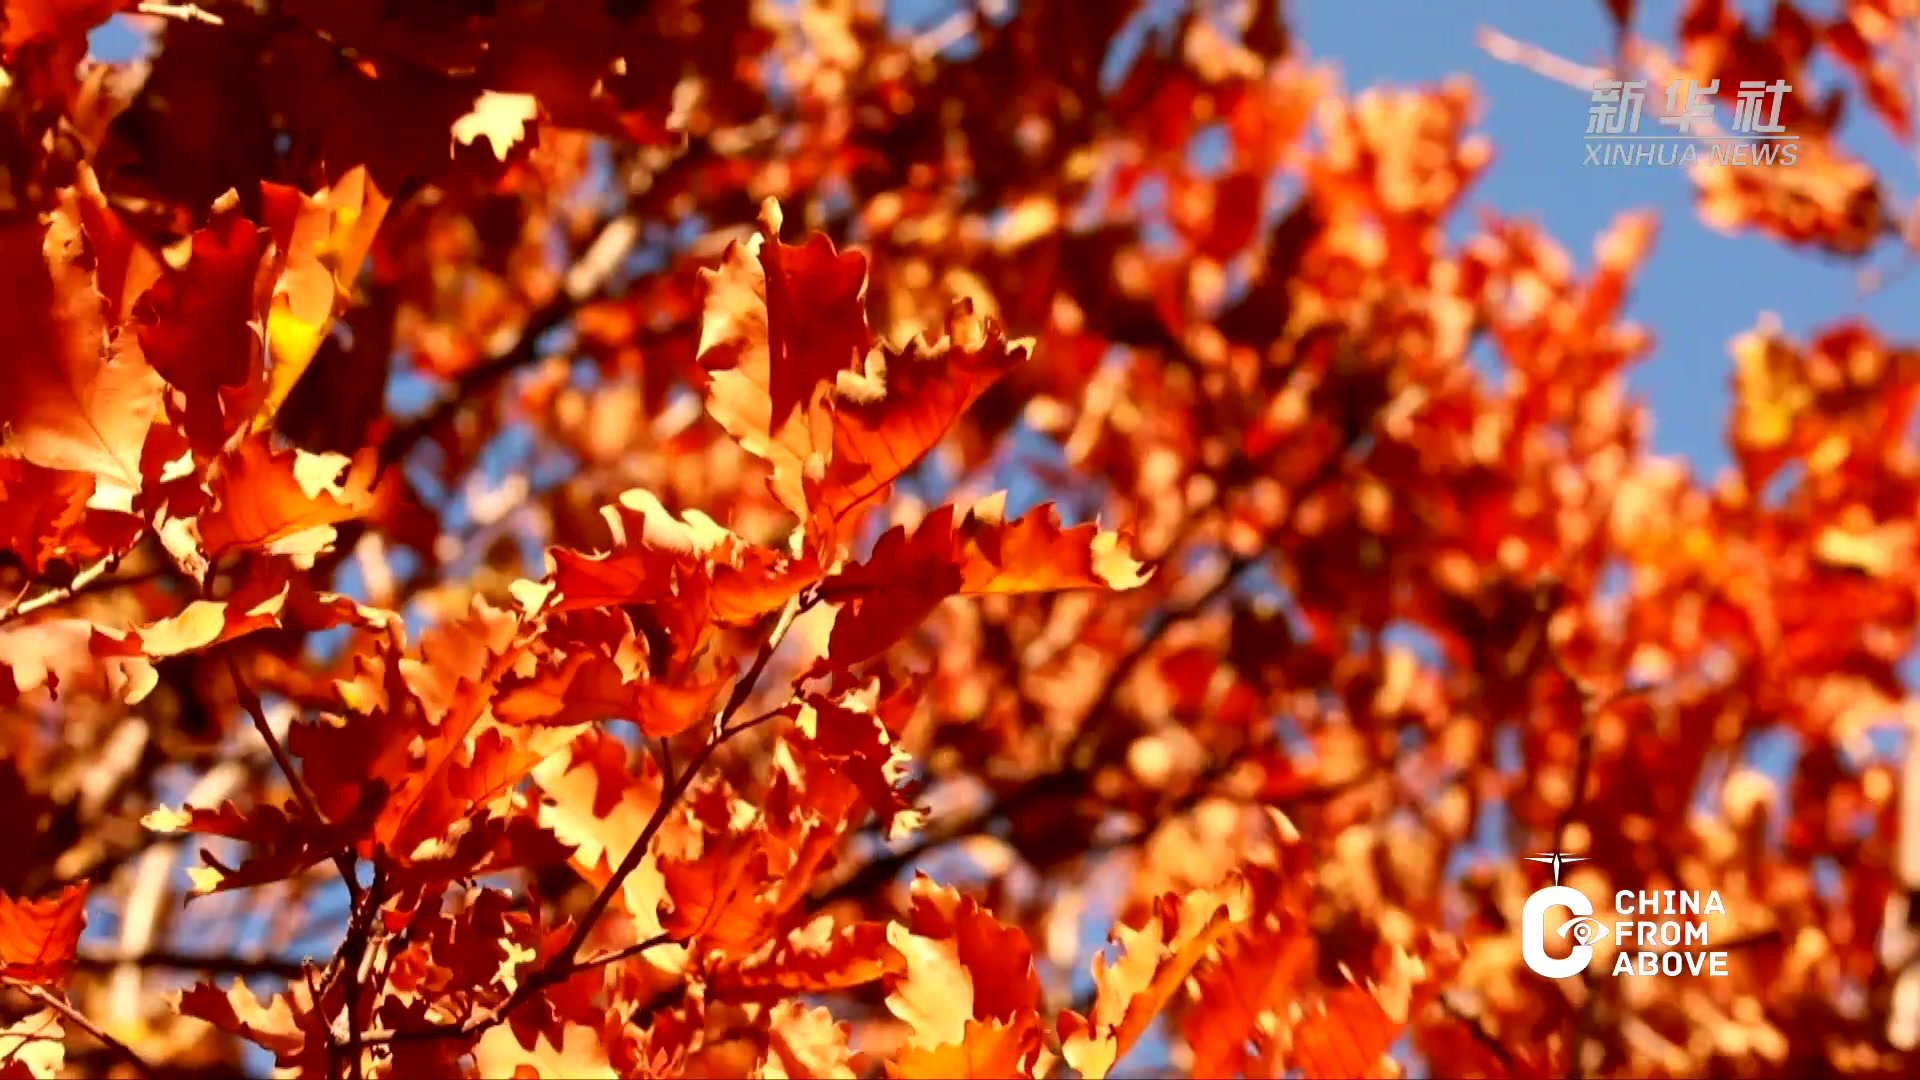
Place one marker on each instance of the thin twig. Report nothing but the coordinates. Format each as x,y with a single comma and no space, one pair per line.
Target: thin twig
351,965
627,953
80,1020
1538,60
302,794
22,607
180,12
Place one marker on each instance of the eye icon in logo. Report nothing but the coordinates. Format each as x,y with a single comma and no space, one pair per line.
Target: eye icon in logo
1584,930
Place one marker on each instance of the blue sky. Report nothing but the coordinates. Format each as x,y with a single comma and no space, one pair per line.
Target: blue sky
1700,287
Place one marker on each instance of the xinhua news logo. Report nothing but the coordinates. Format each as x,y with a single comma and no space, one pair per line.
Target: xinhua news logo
1754,136
1656,933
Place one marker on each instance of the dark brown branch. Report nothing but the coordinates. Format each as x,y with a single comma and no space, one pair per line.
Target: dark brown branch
215,963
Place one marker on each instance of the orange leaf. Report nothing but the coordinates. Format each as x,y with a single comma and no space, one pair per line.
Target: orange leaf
322,240
38,937
286,1023
986,1049
79,394
596,805
283,501
1259,974
793,374
814,958
908,575
1155,960
577,1054
1345,1035
590,687
806,1043
888,415
689,567
48,521
781,322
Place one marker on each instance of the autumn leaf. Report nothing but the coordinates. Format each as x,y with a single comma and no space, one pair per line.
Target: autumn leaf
793,374
895,409
38,937
814,958
985,1048
975,554
1244,998
200,325
806,1042
689,568
321,241
284,501
1155,960
501,119
1347,1034
201,624
81,396
588,687
576,1053
286,1023
780,325
49,523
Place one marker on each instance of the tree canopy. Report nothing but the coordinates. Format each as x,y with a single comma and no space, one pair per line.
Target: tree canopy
776,538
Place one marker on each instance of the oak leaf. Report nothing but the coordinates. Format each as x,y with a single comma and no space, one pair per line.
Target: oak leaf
80,396
38,937
587,687
287,1023
200,325
595,805
283,501
577,1054
1155,960
805,1044
978,553
985,1049
793,374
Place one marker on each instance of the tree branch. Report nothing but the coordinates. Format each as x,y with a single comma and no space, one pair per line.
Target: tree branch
277,967
58,1004
22,606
